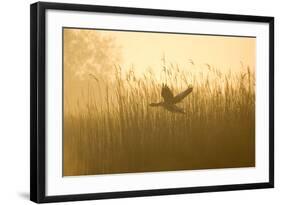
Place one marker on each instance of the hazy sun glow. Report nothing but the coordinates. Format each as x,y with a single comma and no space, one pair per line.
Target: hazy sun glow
145,50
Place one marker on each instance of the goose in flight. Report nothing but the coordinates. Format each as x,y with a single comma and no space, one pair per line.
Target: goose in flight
170,100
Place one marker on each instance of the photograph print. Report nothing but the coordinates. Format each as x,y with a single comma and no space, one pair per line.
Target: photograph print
138,101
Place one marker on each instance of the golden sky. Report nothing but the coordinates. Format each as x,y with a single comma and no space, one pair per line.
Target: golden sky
90,50
144,49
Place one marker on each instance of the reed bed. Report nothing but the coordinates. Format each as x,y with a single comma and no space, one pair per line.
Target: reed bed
114,130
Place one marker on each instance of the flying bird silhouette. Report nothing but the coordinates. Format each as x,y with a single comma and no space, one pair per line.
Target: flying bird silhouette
170,100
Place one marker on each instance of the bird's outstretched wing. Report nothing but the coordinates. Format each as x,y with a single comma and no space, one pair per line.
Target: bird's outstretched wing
167,94
182,95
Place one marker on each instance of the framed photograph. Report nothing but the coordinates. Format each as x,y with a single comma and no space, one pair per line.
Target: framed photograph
129,102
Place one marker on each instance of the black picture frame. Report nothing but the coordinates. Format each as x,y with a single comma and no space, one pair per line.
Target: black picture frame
38,101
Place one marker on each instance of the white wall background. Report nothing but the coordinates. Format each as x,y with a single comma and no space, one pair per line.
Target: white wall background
14,101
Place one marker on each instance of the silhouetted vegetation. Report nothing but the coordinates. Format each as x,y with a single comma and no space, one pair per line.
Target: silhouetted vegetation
124,134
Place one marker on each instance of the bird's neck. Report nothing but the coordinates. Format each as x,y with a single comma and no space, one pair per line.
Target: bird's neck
157,104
